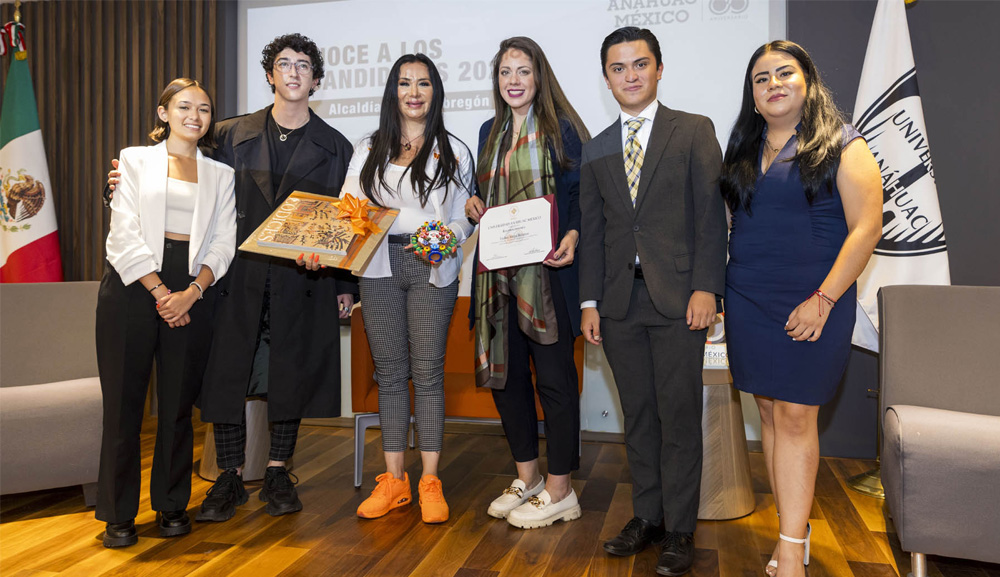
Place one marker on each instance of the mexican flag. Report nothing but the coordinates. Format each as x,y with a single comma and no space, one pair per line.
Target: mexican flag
29,240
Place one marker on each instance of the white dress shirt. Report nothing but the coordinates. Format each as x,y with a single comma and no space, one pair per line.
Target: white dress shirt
642,135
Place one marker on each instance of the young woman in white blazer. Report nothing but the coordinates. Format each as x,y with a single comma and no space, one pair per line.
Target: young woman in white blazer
173,234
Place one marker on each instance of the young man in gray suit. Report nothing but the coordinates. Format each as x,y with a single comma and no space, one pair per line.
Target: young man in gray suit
652,262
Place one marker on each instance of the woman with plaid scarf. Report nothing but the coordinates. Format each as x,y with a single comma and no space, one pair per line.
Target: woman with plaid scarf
530,314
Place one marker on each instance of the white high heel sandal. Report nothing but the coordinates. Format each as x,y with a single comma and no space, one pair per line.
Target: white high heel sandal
805,558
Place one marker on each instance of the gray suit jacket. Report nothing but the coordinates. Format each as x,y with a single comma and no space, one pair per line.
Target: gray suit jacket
678,226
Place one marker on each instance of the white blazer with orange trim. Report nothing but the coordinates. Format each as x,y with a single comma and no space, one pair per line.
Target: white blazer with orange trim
138,214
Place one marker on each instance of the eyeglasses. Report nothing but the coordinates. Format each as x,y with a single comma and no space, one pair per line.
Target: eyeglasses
301,66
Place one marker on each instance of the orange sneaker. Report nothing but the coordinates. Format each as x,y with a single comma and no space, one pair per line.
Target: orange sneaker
388,494
433,507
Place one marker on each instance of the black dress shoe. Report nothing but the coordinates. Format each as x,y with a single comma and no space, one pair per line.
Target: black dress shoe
279,492
120,534
636,536
677,554
222,499
173,523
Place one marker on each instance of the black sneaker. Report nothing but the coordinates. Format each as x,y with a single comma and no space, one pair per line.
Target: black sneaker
279,492
222,499
120,534
677,554
173,523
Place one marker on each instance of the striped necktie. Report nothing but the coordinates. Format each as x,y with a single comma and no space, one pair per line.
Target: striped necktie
633,157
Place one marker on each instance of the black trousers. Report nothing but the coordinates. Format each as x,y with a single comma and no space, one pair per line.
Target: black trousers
558,391
230,438
130,334
657,364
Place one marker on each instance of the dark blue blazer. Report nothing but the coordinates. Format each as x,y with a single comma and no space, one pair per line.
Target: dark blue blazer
568,208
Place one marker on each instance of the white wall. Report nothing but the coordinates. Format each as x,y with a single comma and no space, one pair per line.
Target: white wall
705,46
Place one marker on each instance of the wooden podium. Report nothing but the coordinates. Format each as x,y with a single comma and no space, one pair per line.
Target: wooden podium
726,488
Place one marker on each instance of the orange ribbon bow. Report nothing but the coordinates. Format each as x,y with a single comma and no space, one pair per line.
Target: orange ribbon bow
356,210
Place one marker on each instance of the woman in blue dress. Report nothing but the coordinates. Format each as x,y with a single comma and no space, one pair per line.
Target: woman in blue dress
806,198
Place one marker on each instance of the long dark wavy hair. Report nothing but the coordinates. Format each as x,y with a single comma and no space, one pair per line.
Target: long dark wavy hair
386,141
820,138
550,104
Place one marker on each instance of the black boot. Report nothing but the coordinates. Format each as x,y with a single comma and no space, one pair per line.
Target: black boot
120,534
173,523
279,492
222,499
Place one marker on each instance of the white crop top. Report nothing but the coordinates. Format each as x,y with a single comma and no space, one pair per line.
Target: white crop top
180,206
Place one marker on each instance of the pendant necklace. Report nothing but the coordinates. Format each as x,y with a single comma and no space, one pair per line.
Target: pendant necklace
283,136
773,149
408,144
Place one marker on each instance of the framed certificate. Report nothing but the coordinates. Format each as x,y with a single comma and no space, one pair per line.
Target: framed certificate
518,233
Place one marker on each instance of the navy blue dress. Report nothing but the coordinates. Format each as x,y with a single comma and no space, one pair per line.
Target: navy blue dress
778,255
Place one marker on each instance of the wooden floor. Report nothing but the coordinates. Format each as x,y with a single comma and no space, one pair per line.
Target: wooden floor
52,533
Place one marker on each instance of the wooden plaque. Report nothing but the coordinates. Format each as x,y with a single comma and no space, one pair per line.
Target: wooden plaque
321,215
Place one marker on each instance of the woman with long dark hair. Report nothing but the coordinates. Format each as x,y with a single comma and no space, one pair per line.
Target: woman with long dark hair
413,164
173,234
531,148
805,194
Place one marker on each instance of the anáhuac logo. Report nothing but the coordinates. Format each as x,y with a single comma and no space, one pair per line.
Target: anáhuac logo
646,13
724,7
22,198
894,128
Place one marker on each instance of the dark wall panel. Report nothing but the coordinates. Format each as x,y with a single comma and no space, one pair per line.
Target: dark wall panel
955,47
98,68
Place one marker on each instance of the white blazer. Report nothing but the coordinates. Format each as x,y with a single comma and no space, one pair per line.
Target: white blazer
450,210
138,215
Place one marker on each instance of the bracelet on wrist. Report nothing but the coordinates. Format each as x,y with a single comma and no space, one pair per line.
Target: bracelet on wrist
823,297
201,291
155,287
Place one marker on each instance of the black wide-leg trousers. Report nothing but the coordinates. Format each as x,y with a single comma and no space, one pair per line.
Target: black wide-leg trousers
130,335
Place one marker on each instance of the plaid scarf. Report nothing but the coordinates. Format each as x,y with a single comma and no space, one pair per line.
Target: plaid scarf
519,169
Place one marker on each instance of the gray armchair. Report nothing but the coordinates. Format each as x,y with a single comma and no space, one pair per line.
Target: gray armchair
939,366
50,396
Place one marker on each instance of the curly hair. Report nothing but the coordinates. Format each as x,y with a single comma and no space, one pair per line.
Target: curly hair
298,43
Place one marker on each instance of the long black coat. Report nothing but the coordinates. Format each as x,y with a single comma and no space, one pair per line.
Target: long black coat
304,371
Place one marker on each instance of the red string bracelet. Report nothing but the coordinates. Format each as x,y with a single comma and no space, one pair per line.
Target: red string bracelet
823,297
